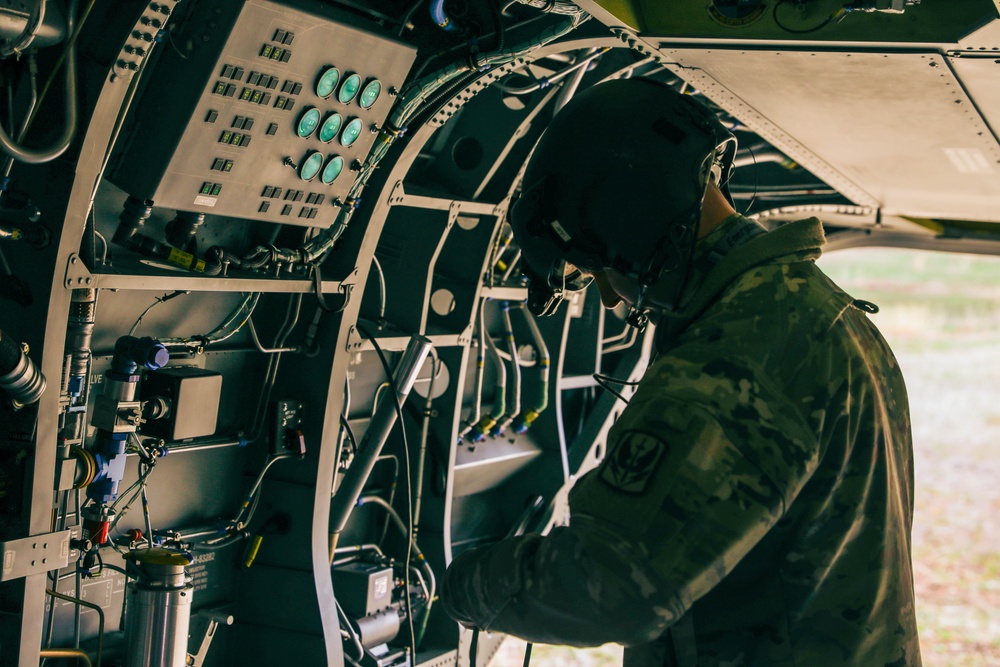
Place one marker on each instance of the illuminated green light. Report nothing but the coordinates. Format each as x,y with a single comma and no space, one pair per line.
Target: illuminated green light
308,122
351,132
349,88
330,127
332,170
371,92
311,166
327,82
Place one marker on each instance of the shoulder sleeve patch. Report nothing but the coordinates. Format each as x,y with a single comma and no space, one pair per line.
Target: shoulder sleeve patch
632,462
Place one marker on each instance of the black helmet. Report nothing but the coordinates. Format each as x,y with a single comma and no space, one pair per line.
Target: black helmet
617,181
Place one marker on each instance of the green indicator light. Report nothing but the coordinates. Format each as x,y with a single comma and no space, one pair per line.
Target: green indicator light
332,170
371,92
351,132
311,166
349,89
330,127
308,122
327,82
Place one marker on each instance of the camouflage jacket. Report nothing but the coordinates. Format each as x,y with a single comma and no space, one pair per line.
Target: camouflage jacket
754,507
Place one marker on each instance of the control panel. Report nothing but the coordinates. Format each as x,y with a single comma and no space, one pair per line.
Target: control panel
282,118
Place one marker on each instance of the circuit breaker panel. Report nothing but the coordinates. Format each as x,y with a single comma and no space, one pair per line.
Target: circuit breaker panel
260,111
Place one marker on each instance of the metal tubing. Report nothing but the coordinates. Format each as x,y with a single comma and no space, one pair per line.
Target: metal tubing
515,390
100,620
199,444
70,653
374,439
40,155
418,483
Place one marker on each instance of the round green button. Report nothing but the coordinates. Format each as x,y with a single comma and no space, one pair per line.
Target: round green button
332,170
351,132
311,166
349,88
327,82
308,122
330,127
370,93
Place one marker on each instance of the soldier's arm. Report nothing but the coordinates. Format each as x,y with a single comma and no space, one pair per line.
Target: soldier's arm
673,508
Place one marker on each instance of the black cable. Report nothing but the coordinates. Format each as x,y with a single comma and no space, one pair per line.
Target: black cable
115,568
473,647
350,432
409,491
158,301
527,655
605,382
774,16
498,20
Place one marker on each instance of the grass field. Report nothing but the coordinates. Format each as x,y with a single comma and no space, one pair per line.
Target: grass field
941,314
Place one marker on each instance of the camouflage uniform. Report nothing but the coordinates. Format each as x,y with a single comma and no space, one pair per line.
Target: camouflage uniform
754,508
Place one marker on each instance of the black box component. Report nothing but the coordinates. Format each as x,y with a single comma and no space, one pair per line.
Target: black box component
337,79
362,588
287,435
181,402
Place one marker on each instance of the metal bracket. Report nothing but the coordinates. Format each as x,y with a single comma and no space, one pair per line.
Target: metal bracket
397,194
214,618
465,337
78,276
453,210
34,555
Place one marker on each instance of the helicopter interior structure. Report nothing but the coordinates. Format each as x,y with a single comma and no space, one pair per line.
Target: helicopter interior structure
264,353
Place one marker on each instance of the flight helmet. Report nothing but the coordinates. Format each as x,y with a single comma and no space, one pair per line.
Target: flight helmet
617,181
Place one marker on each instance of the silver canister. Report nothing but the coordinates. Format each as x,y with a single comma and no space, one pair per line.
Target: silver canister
158,609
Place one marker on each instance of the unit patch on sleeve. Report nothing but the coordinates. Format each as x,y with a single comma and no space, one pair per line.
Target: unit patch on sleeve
633,462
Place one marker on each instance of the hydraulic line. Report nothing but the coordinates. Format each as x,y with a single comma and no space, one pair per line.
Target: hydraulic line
100,627
224,331
268,350
440,18
375,436
523,421
381,291
422,450
479,430
579,67
631,335
40,155
515,390
32,102
68,653
477,394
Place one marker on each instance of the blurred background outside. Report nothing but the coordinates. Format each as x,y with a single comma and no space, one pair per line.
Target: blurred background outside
941,315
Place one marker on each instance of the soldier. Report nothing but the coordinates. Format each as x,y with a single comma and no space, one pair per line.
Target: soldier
755,504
